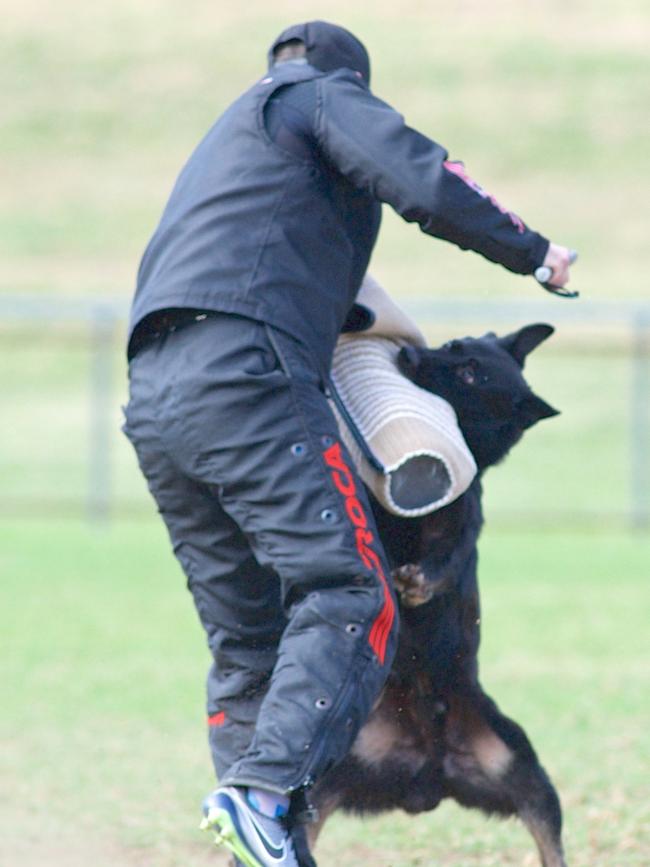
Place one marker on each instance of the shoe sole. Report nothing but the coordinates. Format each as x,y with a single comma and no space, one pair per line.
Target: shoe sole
220,822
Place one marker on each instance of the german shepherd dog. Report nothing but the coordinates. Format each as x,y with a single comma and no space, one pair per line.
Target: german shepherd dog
434,733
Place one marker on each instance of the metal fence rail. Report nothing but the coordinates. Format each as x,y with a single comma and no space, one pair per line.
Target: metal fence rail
104,320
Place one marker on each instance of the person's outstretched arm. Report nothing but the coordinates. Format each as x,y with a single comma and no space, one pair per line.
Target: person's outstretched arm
370,143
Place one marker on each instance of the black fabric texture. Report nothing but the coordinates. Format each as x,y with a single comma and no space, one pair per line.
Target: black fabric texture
263,536
251,229
289,118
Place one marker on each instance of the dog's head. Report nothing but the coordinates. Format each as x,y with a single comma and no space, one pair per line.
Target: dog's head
482,379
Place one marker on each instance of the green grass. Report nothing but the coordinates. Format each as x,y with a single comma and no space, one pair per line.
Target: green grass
103,756
545,102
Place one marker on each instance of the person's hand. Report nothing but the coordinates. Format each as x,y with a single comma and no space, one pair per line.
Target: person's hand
558,259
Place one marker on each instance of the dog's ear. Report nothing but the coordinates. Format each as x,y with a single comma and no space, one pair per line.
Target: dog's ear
408,361
521,342
531,409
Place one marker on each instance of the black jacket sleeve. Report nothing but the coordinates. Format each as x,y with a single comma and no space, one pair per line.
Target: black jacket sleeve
369,143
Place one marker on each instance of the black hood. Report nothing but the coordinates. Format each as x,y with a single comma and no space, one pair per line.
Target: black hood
328,47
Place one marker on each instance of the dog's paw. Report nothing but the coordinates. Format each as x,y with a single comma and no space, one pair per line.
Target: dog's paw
412,585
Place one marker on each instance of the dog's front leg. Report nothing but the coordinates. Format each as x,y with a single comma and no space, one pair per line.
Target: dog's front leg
412,585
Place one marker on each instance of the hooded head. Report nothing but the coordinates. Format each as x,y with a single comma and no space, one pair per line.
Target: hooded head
327,47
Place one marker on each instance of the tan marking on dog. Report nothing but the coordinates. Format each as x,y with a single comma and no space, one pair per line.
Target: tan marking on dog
376,740
491,753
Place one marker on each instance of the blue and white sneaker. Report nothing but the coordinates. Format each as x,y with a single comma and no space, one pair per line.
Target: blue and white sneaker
254,839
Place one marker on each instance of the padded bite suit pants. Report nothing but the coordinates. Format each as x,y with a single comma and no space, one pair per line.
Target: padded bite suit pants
273,530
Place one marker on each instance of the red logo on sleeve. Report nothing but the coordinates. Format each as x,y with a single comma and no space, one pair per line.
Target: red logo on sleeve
458,169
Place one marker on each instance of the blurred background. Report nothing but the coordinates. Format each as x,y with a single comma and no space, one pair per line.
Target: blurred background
548,105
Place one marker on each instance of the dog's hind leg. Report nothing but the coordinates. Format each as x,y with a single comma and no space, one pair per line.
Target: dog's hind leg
490,764
538,807
326,806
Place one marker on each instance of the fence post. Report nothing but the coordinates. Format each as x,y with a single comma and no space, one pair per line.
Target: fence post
98,498
640,420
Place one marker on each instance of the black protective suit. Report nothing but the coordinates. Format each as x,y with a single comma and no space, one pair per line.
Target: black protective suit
241,295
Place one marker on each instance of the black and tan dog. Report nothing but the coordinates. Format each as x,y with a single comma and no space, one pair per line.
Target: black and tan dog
434,733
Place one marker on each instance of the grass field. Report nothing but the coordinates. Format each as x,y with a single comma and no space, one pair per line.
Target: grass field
103,759
545,101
